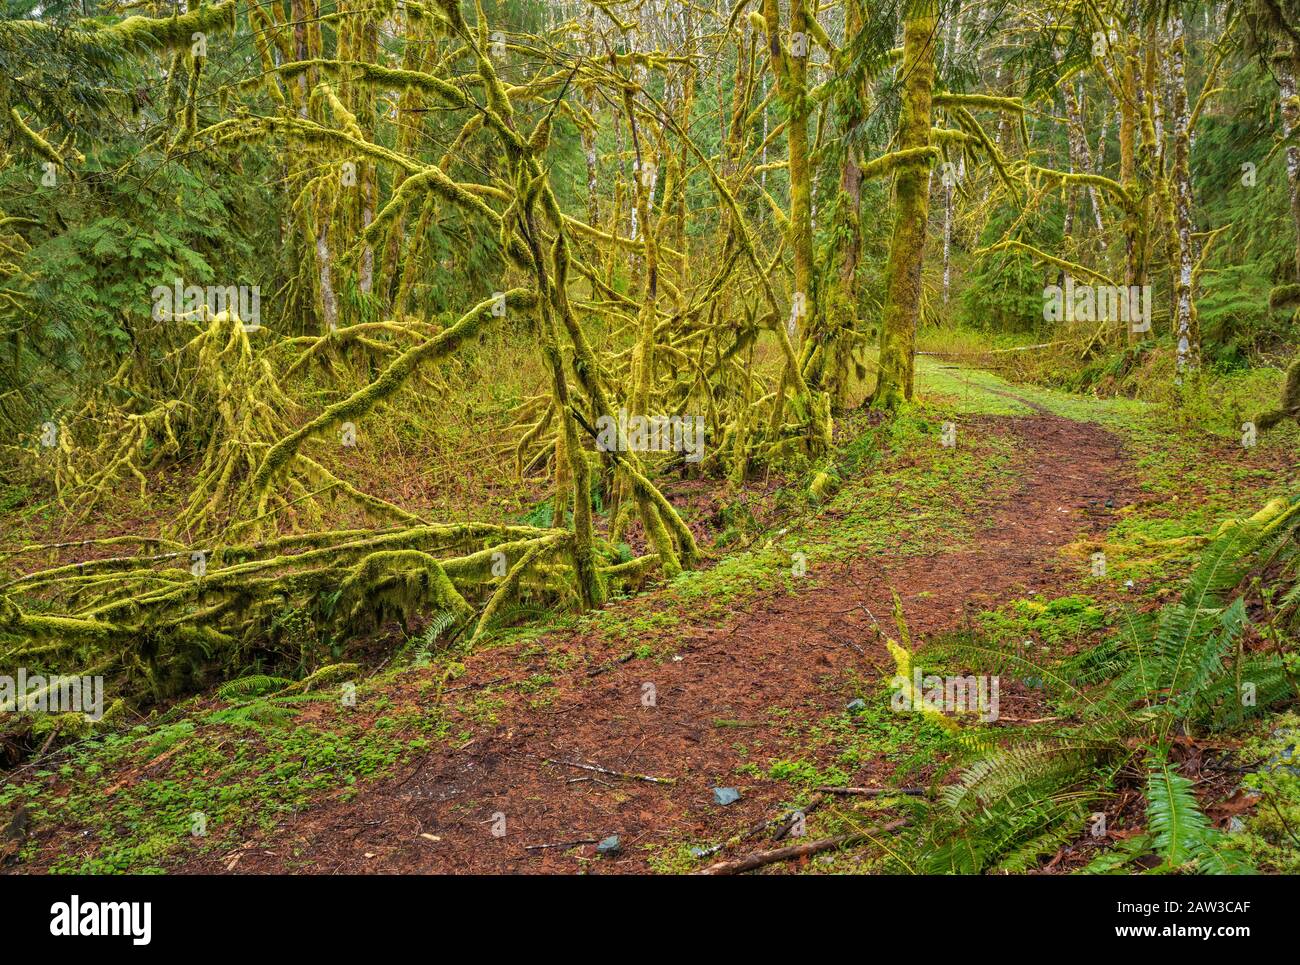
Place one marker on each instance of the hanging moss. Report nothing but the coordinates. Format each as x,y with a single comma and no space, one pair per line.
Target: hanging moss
396,584
156,33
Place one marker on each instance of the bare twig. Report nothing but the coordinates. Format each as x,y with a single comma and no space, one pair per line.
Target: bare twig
606,770
561,844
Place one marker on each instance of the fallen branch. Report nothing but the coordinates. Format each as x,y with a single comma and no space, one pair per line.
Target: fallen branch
605,770
760,858
1029,720
561,844
877,791
786,822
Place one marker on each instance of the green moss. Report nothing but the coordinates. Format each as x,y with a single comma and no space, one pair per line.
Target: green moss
1067,619
242,771
1269,834
806,773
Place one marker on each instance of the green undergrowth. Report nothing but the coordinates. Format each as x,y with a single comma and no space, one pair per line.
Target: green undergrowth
200,783
1065,621
1271,835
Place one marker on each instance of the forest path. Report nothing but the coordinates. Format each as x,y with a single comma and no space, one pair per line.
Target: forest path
728,697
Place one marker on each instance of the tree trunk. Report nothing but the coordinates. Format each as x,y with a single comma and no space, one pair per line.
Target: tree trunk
907,248
1130,107
1186,329
1290,105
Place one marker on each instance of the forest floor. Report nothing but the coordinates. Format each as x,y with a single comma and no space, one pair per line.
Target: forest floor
731,689
752,674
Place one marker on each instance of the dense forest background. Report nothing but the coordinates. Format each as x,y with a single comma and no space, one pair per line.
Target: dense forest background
139,198
340,335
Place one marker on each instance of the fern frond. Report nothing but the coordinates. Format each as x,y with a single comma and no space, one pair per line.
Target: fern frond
1027,856
1217,860
1115,861
1179,829
255,713
255,685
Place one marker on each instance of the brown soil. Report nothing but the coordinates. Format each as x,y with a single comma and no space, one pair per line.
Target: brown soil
807,653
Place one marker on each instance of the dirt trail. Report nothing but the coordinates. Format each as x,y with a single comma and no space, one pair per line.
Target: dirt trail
799,652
